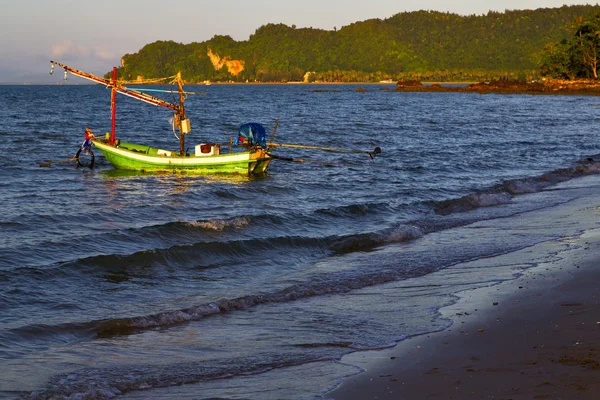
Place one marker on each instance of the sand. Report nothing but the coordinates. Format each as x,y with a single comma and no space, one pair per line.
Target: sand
535,337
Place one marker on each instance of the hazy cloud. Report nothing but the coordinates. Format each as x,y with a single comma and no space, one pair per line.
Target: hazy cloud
103,54
68,49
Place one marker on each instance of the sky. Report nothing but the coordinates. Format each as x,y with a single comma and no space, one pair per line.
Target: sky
93,35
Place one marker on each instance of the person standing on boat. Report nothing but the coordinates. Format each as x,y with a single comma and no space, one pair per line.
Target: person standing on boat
87,146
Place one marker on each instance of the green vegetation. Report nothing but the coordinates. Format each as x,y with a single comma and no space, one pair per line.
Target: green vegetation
577,56
423,45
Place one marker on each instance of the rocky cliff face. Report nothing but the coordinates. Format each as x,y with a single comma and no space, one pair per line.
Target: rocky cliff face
233,66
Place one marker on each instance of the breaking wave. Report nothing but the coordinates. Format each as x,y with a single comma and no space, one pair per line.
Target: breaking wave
503,193
208,253
404,233
222,224
123,379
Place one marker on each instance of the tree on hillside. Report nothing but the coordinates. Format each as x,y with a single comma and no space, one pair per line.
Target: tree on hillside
587,35
556,61
577,57
426,44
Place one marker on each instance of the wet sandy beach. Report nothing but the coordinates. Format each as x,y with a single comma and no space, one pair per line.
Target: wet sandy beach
536,337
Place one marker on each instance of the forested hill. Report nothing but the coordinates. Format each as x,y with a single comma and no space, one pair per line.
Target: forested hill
423,45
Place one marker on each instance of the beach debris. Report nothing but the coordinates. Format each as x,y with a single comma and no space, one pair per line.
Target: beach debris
393,357
480,330
495,303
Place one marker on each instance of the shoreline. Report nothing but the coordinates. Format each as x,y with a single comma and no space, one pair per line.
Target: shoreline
548,87
534,337
507,86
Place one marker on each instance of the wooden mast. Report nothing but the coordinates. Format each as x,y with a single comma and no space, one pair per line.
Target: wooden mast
113,106
181,112
180,120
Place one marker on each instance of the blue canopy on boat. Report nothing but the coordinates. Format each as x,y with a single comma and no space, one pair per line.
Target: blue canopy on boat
252,134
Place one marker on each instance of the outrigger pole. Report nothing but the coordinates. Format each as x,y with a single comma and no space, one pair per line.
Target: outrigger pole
376,151
181,122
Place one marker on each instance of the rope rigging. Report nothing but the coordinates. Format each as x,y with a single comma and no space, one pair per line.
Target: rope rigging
148,81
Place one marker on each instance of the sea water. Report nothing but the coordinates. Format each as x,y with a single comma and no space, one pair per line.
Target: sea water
129,285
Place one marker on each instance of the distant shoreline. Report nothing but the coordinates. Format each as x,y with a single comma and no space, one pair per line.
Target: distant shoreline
229,83
544,87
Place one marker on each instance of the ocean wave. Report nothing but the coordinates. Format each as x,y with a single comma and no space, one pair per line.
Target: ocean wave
201,254
504,192
206,253
222,224
353,210
316,286
108,383
227,246
472,201
404,233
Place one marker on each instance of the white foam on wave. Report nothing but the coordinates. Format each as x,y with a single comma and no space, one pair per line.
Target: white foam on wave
536,184
204,310
489,199
222,224
524,186
171,318
404,233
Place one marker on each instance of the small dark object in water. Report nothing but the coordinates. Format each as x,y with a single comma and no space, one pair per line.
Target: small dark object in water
376,151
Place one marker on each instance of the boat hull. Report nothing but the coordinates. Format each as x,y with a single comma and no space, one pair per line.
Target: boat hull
134,157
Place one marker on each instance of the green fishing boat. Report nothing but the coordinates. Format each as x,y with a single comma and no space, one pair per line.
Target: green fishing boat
137,157
252,159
